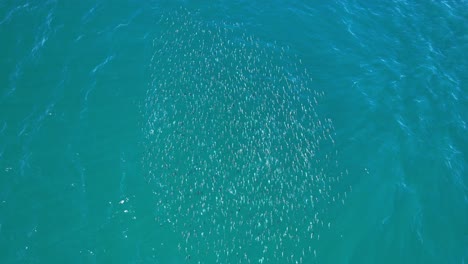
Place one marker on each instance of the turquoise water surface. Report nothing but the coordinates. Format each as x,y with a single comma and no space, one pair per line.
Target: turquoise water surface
233,131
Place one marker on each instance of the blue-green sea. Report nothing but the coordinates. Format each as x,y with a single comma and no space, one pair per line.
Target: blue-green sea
235,131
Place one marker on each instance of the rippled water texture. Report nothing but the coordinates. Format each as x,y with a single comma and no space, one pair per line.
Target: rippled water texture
233,132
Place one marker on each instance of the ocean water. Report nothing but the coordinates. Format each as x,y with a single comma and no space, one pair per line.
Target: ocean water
233,132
